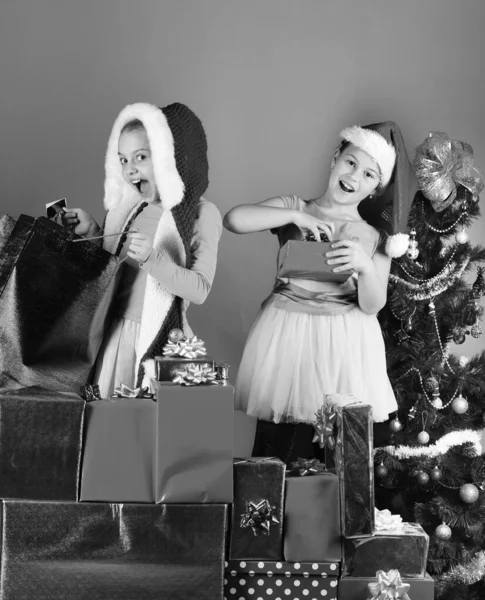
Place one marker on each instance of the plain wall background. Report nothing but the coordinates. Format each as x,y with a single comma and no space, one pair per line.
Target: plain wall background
273,81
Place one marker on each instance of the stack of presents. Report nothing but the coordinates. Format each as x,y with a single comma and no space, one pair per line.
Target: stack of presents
139,496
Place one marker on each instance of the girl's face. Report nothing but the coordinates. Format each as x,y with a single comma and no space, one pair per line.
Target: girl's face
355,176
136,163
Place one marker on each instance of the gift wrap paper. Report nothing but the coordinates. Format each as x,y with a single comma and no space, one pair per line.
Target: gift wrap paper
54,298
257,479
307,260
165,366
76,551
405,550
119,447
7,223
40,444
254,580
355,588
194,443
357,471
311,528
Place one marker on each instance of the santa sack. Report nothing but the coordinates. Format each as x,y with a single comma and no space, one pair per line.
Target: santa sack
54,298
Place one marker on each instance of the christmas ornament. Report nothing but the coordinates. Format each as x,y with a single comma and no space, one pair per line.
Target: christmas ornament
459,405
430,384
478,286
412,252
395,425
423,437
437,402
408,327
443,532
476,330
436,473
423,478
412,413
381,470
464,360
176,335
459,335
468,493
462,236
470,314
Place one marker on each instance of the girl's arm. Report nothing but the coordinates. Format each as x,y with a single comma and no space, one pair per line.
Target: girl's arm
271,214
192,284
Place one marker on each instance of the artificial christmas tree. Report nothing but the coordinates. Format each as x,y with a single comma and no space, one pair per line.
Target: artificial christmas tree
433,472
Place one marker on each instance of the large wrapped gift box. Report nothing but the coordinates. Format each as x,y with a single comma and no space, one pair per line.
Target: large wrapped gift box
356,588
40,444
54,298
59,551
250,580
307,260
257,513
194,443
405,550
311,528
119,448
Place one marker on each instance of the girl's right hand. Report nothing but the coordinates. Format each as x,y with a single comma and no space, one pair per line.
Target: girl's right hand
308,223
80,221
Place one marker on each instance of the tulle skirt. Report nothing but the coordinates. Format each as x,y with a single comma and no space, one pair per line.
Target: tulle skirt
116,360
293,359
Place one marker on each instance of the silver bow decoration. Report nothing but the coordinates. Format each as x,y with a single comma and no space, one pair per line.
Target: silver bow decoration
187,348
123,391
441,165
194,374
259,516
389,586
386,521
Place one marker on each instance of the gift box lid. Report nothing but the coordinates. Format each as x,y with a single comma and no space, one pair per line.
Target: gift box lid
281,568
406,529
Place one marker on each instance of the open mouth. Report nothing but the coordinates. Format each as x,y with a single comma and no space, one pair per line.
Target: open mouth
346,187
141,185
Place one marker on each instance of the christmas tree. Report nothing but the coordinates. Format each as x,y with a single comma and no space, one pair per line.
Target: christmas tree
433,472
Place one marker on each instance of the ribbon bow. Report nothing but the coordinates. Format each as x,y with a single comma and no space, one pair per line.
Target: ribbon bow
326,426
194,374
123,391
259,516
187,348
385,521
441,165
303,467
388,586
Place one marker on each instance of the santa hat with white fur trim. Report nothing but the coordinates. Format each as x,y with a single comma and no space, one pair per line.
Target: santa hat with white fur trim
389,209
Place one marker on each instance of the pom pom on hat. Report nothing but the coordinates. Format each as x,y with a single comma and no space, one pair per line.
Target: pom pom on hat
389,209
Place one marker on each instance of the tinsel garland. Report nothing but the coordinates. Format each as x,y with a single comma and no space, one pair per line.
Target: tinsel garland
469,573
436,285
448,441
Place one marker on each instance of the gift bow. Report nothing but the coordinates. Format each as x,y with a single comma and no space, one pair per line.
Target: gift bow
326,426
189,348
123,391
385,521
441,165
194,374
303,467
259,516
389,585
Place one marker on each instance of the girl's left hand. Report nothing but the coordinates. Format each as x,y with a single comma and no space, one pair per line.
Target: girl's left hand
349,255
141,246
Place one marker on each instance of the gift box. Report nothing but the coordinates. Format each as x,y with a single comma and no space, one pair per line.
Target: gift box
405,550
167,366
307,260
40,444
311,527
356,588
54,299
257,513
57,550
250,580
119,448
194,443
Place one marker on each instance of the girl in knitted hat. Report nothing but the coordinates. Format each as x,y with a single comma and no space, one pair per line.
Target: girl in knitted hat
313,338
156,172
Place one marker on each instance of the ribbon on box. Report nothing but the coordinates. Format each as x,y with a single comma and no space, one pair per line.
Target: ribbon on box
385,521
303,467
388,586
123,391
89,393
259,516
441,165
327,423
194,374
192,347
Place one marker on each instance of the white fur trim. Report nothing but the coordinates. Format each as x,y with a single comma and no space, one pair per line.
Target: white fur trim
376,146
397,244
148,374
170,185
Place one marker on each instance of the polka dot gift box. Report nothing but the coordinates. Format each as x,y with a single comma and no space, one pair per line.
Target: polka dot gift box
270,580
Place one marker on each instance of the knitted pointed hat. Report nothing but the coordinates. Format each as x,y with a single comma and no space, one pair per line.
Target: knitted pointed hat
389,209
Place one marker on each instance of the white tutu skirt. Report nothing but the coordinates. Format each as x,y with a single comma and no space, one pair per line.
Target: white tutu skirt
116,360
293,359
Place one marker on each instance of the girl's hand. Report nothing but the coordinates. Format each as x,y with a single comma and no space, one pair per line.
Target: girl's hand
141,246
349,255
307,223
80,221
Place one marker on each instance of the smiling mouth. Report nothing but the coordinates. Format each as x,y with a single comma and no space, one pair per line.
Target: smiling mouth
346,187
140,184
